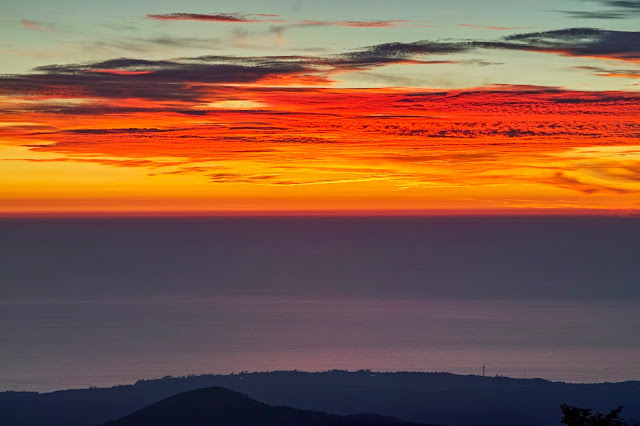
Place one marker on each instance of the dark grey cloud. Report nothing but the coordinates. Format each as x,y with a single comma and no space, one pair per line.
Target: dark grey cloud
406,50
628,4
587,42
581,14
591,42
612,9
139,78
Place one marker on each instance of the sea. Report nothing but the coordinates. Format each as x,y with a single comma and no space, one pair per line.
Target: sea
103,302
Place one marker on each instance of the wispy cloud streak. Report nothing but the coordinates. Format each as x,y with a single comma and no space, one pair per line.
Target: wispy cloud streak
269,18
217,17
37,26
363,24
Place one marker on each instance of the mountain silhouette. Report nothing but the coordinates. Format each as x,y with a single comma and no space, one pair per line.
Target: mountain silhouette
432,398
219,406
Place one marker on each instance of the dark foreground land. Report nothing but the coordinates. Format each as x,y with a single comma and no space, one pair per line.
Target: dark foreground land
220,406
434,398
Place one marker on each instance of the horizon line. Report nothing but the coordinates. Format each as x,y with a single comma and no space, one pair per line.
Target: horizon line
409,213
335,370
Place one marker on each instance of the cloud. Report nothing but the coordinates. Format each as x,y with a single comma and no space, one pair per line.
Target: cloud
269,18
188,42
585,42
614,9
217,17
119,72
282,115
236,38
151,164
579,14
135,78
608,72
37,26
362,24
119,131
396,53
581,42
561,180
231,177
621,4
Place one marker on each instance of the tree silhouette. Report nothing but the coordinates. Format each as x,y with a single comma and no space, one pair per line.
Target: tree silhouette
574,416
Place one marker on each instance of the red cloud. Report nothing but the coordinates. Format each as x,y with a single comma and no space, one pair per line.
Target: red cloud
216,17
260,17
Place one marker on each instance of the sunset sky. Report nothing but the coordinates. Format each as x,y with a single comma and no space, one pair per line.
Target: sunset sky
332,107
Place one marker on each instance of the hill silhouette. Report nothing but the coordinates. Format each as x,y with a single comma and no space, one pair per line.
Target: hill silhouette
435,398
220,406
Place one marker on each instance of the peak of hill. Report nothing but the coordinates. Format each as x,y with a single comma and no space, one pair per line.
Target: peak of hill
220,406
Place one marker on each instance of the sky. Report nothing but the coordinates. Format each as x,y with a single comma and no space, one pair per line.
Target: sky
334,107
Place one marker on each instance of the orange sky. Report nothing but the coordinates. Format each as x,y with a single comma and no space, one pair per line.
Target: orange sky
268,149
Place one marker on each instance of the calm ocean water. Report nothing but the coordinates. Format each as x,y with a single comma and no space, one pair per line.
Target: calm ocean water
68,344
96,302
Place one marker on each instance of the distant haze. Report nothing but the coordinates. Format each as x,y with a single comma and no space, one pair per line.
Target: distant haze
104,302
459,258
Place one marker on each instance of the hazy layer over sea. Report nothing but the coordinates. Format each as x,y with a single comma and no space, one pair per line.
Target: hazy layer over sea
103,302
